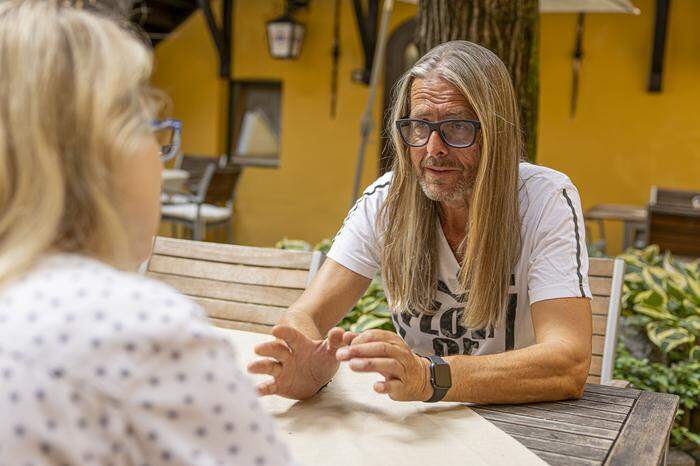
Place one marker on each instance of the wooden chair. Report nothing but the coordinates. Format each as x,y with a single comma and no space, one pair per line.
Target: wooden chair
675,229
249,288
212,205
605,278
239,287
674,197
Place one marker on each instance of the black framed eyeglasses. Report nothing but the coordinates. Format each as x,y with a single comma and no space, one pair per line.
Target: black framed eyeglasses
168,133
455,133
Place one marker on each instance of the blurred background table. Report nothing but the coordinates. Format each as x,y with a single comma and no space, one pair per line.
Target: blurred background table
174,179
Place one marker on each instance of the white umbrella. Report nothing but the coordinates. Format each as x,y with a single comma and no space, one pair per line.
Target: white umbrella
588,6
581,6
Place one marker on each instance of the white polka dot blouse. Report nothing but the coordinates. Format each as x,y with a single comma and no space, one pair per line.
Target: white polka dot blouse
103,367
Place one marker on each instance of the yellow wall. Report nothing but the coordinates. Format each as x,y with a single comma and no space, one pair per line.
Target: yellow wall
622,140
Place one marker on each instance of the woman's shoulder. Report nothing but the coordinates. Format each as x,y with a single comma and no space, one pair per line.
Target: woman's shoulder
95,323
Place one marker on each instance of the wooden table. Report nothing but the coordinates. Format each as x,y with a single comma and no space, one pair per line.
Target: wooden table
609,425
349,424
634,219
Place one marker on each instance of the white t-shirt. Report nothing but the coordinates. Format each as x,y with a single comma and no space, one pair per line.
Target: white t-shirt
553,264
102,367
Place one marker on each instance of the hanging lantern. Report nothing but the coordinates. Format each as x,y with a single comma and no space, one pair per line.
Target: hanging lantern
284,35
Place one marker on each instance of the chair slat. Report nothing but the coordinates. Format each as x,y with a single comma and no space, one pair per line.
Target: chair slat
234,273
599,305
597,345
600,286
252,294
230,310
599,323
244,255
245,326
600,267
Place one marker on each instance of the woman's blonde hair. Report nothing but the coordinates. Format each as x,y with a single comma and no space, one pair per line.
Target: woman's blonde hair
74,98
492,243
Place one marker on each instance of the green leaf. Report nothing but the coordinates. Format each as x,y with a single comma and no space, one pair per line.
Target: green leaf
666,338
367,322
650,298
654,312
653,285
694,287
694,353
675,288
691,323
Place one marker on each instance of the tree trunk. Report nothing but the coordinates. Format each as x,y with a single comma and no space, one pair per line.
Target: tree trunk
509,28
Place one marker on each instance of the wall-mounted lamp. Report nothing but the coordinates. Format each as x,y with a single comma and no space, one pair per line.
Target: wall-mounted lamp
284,35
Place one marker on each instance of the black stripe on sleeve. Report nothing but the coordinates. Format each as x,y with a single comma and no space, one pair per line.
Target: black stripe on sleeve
578,244
357,204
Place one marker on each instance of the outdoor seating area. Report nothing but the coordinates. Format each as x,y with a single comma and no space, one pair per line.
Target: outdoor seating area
334,232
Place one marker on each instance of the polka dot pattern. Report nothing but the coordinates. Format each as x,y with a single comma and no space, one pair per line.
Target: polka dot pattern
101,367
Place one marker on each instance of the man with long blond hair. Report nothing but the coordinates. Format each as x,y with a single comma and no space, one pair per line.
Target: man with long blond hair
482,256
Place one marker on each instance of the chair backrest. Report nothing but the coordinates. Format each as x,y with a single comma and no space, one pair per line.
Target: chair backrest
605,277
201,169
222,185
675,198
675,229
239,287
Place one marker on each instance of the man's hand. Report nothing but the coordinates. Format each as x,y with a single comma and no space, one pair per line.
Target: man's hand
299,366
406,375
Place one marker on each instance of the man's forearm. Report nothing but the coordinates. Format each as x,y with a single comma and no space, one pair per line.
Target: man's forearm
542,372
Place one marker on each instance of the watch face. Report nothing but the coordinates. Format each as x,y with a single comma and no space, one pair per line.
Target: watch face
442,378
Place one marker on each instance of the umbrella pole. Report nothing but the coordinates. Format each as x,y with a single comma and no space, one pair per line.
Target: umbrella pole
367,122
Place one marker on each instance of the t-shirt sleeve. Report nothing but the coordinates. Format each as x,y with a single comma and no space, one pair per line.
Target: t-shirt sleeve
357,244
558,265
195,405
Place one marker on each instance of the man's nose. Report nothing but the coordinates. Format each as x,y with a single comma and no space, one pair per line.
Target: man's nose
436,146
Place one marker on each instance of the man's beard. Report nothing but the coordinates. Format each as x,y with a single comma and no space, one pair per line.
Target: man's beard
461,191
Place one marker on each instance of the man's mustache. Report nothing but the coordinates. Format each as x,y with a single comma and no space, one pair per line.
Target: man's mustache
433,162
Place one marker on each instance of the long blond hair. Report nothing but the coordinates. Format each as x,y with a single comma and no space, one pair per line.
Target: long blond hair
492,243
74,98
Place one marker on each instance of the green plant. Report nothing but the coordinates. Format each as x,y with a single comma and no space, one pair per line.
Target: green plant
300,245
371,311
682,379
661,298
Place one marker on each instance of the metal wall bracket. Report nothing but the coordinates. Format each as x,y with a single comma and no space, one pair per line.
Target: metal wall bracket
221,36
658,53
367,25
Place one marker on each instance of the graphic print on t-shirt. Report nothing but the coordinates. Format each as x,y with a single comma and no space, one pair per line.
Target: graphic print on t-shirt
449,336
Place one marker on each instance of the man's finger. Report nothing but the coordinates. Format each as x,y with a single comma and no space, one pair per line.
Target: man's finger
267,388
348,337
376,335
388,387
277,349
291,336
265,366
377,349
388,367
335,338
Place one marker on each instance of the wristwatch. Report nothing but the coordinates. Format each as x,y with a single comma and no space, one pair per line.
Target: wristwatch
440,378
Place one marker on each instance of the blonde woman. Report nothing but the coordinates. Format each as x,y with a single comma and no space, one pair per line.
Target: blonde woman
482,255
98,365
